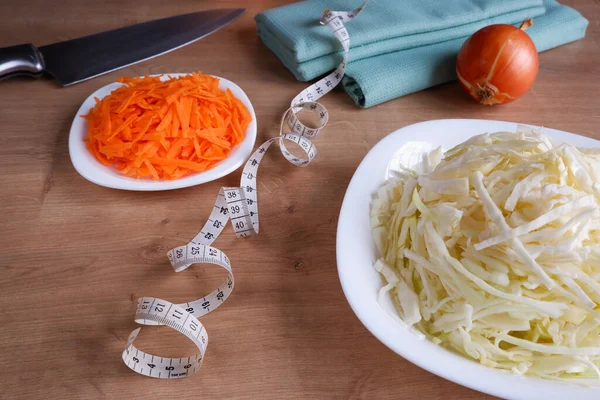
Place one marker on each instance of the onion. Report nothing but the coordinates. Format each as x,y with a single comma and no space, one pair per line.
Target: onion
498,64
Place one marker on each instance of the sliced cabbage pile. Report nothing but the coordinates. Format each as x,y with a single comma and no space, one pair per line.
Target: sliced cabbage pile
494,252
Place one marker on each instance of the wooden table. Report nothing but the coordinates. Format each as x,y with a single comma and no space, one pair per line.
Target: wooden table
76,256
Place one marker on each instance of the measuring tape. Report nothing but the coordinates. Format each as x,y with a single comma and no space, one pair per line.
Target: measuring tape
239,205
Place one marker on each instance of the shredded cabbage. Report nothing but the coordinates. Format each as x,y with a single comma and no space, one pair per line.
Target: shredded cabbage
494,252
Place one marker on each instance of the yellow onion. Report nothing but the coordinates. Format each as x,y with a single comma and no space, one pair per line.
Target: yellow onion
498,64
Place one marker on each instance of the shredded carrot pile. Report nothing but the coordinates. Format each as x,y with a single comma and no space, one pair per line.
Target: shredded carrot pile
166,130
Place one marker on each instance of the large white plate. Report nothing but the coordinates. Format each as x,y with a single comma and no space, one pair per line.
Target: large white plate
92,170
356,254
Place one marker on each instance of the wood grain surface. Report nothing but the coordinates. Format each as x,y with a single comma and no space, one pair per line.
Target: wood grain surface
76,256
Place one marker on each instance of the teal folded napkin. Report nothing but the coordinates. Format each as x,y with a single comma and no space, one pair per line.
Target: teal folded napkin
307,48
402,46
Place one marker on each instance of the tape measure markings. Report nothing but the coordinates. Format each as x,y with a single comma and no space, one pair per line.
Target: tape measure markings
239,206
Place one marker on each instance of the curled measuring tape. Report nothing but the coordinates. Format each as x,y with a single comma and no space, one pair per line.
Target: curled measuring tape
239,205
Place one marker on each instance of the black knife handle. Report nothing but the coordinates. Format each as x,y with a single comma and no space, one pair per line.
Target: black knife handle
22,59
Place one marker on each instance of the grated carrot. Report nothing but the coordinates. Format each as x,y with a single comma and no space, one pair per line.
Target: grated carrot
166,130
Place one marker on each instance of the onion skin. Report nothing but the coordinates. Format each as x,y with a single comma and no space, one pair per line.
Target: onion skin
498,64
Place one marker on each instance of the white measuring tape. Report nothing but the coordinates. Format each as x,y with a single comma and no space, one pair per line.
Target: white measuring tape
240,206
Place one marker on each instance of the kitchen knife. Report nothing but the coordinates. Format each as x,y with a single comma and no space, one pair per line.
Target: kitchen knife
79,59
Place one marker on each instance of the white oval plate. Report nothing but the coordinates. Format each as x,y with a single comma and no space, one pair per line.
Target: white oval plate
356,254
92,170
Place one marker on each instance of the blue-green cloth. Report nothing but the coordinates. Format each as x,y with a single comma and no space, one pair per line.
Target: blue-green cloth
402,46
307,48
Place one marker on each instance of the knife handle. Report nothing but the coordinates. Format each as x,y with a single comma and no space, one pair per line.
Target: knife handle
21,59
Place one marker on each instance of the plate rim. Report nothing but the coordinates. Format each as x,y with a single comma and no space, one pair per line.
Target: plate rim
503,384
81,162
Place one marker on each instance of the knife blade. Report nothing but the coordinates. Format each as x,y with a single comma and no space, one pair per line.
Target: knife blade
76,60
